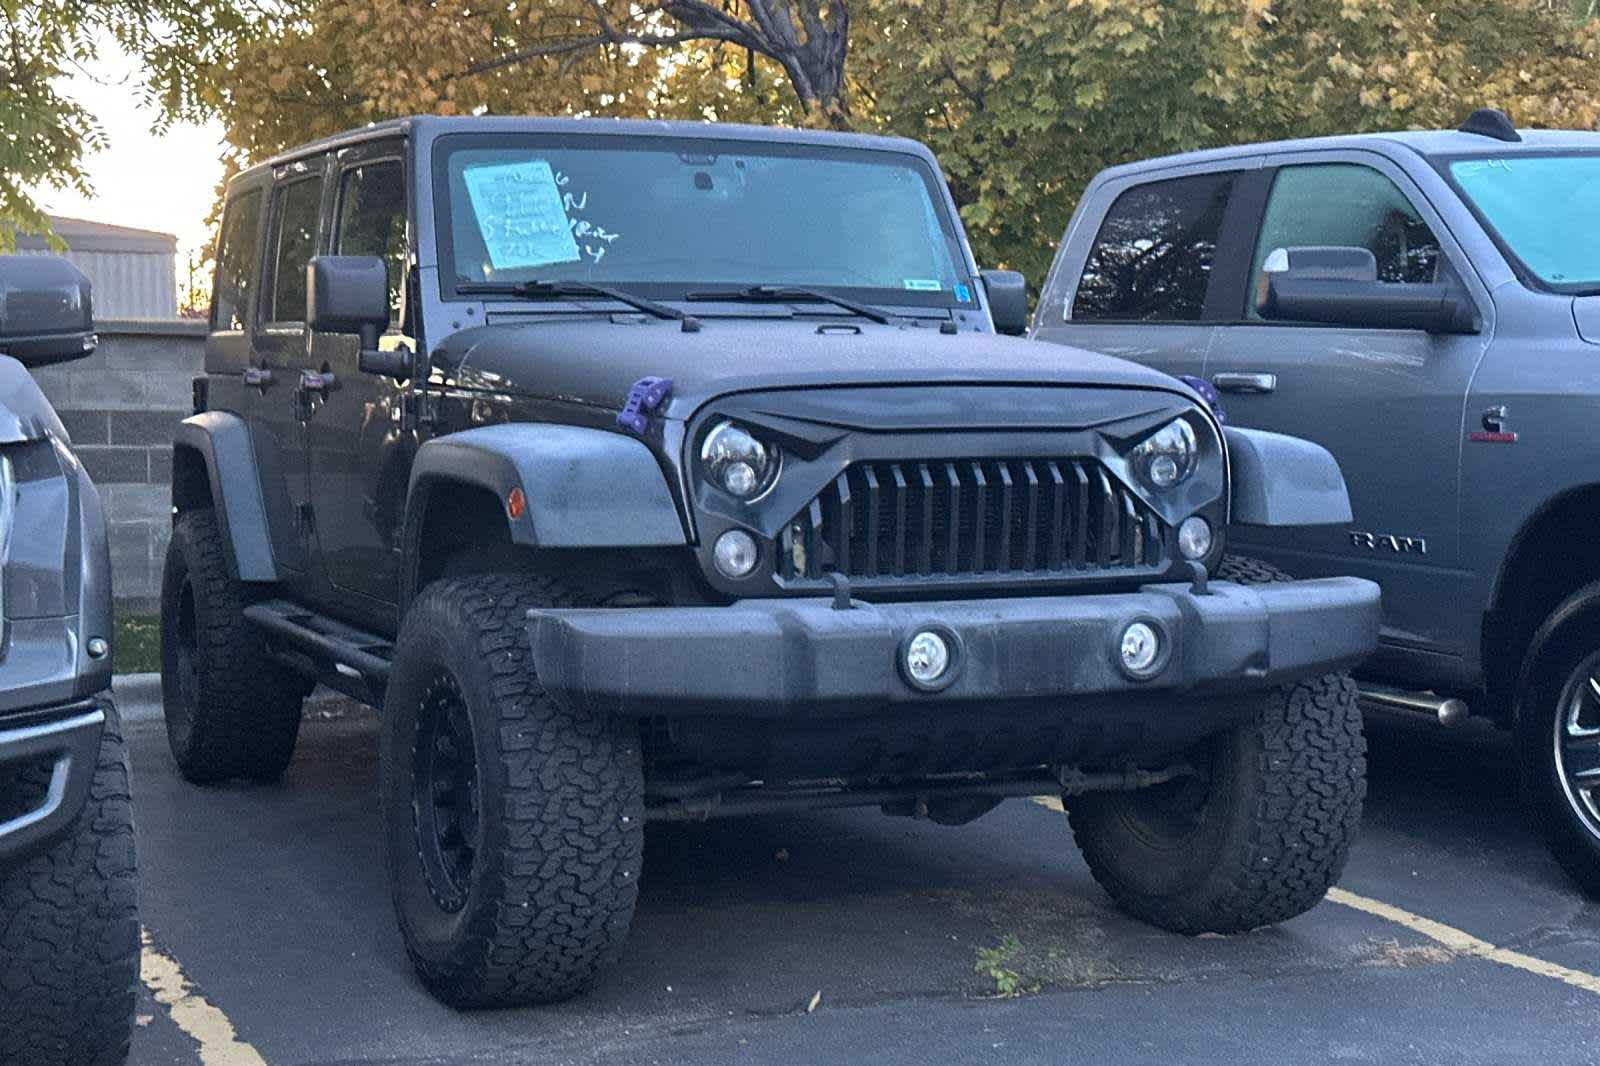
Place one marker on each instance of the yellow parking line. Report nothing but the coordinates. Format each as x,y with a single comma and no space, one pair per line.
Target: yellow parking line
205,1024
1465,943
1457,941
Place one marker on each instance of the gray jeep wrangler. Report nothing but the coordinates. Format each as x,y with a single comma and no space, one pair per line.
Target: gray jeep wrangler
69,926
1426,305
641,471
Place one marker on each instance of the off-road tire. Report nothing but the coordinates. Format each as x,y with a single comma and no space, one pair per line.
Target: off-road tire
69,925
231,710
1270,828
558,828
1567,638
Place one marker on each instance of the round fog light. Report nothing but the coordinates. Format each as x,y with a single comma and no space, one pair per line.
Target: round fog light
927,657
735,554
1194,537
1140,648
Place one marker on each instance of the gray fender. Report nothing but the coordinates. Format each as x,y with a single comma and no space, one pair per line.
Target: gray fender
223,442
586,488
1284,481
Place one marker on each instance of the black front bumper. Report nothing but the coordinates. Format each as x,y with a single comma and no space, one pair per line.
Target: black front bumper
67,736
807,660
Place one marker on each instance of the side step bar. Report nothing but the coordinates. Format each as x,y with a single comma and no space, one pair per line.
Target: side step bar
1447,710
341,656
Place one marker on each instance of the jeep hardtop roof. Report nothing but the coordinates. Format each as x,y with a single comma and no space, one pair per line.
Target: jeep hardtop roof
428,127
1425,143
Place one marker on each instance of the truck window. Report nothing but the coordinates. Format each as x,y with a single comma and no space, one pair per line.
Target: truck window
1352,206
294,243
1151,261
238,260
372,220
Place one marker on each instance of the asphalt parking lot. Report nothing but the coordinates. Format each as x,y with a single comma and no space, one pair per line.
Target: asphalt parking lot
852,937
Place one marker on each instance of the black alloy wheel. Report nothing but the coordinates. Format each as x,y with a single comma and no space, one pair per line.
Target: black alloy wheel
445,794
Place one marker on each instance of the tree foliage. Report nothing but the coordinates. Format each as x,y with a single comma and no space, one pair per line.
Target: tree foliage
44,134
1023,100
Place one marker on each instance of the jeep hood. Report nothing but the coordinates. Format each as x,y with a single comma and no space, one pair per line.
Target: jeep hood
595,361
24,412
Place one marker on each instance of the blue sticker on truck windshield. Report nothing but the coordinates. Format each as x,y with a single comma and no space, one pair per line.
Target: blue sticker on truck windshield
963,294
520,214
923,285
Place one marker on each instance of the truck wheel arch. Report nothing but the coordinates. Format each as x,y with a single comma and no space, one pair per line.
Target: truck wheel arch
1525,592
580,488
214,465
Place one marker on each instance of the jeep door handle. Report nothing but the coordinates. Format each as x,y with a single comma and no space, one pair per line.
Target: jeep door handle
1236,381
258,377
311,381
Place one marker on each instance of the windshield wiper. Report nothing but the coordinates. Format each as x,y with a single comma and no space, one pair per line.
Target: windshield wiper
790,294
555,290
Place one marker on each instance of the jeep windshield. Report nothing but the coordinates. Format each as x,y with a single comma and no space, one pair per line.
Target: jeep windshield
1543,211
670,216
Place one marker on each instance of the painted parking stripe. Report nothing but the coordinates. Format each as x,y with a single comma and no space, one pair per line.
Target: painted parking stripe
1465,944
205,1024
1455,940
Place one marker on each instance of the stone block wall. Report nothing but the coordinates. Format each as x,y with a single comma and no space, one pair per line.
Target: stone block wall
120,405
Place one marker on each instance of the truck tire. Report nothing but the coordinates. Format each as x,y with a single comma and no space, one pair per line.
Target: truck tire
1558,734
513,827
231,710
69,925
1260,834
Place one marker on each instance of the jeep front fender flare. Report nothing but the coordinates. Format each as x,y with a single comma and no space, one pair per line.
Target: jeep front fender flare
1284,481
585,488
222,440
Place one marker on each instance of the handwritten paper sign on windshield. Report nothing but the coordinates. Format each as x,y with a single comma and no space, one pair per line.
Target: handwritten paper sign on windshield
520,214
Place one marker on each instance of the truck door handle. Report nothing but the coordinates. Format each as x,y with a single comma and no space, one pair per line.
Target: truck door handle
1245,382
258,377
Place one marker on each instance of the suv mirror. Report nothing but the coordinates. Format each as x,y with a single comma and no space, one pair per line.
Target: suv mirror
46,315
1340,286
350,294
1008,300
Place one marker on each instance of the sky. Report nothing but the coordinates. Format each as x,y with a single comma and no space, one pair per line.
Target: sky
164,183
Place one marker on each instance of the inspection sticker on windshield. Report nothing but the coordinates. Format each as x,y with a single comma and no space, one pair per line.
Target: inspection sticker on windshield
923,285
520,214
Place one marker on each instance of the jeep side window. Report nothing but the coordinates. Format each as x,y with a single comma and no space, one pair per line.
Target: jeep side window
238,260
1152,259
372,221
294,243
1351,206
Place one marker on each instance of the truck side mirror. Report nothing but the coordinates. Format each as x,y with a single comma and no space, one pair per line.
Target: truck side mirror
1340,286
46,314
350,294
1008,300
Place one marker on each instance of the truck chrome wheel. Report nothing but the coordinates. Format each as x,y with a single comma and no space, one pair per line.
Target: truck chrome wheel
1577,742
445,791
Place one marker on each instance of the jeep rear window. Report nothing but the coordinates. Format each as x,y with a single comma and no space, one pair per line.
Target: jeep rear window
1544,211
675,215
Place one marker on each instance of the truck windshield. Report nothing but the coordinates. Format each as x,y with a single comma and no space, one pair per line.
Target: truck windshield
1544,210
667,216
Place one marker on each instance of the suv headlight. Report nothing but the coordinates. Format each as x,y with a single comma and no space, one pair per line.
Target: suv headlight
8,506
737,462
1168,456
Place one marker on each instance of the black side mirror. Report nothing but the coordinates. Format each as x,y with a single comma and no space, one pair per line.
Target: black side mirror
46,315
350,294
1008,300
1340,286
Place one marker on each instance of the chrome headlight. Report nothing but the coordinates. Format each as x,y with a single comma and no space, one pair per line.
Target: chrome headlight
1168,456
737,462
